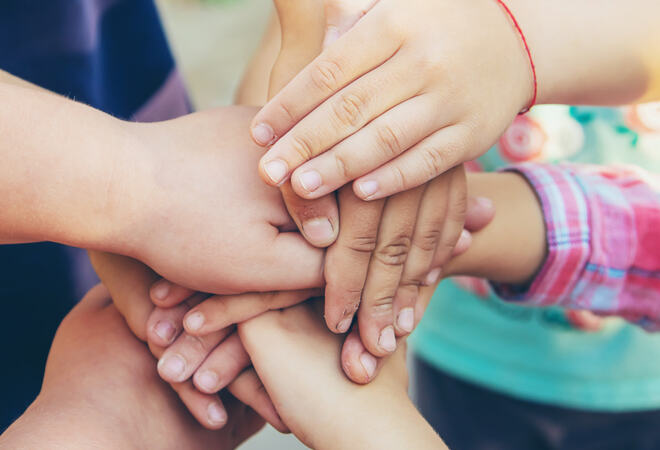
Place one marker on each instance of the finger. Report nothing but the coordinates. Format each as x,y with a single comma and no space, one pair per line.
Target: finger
337,118
380,141
376,313
358,364
222,365
165,324
246,422
347,260
128,281
463,243
318,220
341,15
480,212
220,311
431,157
167,294
430,219
249,389
206,408
453,223
334,68
186,354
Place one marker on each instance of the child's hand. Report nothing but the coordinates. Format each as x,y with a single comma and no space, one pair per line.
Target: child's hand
297,360
202,217
103,381
406,94
129,282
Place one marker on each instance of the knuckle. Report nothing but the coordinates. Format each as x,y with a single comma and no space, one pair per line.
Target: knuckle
326,75
382,305
428,239
399,180
362,244
434,163
395,252
343,167
348,110
286,111
196,343
389,140
303,147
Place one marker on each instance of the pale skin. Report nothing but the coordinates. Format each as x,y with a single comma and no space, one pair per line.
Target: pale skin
114,186
101,390
74,175
385,250
460,65
517,231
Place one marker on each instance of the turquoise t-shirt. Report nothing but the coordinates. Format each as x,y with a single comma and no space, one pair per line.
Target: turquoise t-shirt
537,353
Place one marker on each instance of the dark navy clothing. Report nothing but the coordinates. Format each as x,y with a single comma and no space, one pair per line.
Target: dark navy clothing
112,55
470,417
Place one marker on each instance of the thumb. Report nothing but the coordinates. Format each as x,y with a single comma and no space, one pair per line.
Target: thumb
341,15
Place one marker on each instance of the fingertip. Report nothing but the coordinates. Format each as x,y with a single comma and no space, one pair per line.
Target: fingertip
193,322
160,290
262,133
273,171
319,232
367,189
216,416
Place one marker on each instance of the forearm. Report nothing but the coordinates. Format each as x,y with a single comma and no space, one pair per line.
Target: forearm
512,247
64,427
60,162
593,52
388,425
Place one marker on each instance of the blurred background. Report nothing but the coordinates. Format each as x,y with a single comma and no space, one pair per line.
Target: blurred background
213,41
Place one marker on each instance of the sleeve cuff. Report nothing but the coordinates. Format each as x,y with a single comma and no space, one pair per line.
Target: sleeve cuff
566,216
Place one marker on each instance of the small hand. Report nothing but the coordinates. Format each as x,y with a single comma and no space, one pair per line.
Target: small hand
98,371
205,220
129,282
404,95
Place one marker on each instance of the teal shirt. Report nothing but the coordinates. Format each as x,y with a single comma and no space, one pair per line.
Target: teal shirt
537,354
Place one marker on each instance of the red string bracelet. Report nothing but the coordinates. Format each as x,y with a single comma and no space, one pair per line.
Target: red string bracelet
527,50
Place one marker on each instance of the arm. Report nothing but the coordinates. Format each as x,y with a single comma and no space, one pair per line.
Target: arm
381,414
101,390
580,237
61,162
463,66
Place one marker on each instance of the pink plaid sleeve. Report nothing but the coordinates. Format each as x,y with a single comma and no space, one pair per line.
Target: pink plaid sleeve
603,237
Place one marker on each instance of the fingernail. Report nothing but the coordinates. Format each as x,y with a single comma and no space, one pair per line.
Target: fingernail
386,340
207,380
368,188
463,243
216,414
406,320
310,180
165,330
433,277
318,230
369,363
194,321
345,324
172,367
331,35
160,290
263,134
276,170
485,202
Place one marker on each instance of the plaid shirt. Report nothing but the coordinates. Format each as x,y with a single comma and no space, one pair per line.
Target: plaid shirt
603,237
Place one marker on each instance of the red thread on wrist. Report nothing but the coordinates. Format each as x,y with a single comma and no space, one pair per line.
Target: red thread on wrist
527,50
